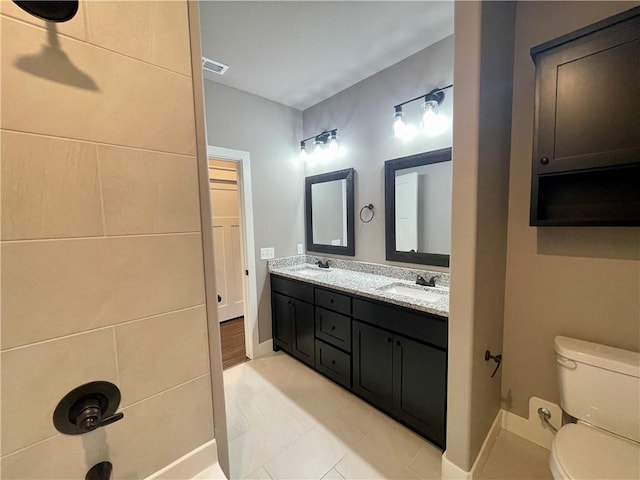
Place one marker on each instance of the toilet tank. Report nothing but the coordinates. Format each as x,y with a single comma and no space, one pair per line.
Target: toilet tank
600,385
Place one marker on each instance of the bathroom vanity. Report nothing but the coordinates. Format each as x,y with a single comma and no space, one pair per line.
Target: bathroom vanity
381,337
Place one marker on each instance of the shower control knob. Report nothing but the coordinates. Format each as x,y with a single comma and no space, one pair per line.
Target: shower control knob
87,407
89,418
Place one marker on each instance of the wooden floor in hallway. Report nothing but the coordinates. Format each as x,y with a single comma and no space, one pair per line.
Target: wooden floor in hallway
232,339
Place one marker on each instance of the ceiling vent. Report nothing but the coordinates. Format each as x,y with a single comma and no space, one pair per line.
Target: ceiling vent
213,66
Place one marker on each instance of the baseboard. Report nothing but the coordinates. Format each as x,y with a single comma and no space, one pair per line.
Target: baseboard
532,428
264,348
189,465
450,471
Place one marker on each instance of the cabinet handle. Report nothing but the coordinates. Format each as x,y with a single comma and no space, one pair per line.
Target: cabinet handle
389,339
398,343
544,160
331,300
333,362
333,327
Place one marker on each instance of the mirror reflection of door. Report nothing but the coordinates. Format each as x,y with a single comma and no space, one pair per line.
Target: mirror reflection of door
407,212
227,238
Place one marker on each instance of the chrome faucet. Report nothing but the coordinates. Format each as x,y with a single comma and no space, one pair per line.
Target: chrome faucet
426,283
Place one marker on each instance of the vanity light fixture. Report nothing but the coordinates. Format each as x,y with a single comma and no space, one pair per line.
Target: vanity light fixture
432,122
326,146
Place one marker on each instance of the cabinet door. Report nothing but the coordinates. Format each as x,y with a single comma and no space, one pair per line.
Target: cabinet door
419,387
281,317
373,364
303,346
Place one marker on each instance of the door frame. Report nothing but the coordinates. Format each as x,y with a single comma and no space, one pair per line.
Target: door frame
250,288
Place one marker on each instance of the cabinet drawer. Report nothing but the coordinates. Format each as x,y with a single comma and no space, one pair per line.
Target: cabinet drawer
421,326
333,363
301,291
333,328
333,301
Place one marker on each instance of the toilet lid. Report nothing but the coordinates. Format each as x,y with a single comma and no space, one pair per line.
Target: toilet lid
585,452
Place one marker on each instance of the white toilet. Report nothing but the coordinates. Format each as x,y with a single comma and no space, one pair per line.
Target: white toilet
600,387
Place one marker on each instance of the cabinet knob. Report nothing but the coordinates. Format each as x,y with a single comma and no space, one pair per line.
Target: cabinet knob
389,339
544,160
331,300
398,343
333,362
333,327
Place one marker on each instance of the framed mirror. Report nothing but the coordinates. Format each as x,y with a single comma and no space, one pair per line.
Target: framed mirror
417,197
329,212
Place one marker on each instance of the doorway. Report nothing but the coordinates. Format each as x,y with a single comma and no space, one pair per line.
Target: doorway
234,252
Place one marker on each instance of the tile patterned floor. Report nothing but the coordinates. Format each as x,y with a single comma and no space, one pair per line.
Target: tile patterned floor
286,421
514,458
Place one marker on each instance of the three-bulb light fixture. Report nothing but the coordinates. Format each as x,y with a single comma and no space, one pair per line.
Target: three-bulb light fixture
432,123
325,146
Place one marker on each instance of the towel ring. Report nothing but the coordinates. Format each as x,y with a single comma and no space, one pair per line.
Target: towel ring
370,208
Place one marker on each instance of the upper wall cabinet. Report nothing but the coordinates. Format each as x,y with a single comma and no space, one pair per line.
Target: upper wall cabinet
586,154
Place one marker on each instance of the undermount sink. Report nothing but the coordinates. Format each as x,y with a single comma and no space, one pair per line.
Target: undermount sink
419,293
311,271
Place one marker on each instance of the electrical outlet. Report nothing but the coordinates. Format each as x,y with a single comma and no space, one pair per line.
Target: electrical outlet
300,249
267,253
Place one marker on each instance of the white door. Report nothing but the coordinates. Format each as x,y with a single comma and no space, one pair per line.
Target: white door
227,238
407,212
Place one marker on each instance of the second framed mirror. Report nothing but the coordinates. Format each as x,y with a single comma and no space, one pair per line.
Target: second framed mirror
417,192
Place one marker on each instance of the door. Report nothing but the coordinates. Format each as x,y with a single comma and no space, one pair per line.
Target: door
282,321
407,212
373,364
303,346
419,387
227,238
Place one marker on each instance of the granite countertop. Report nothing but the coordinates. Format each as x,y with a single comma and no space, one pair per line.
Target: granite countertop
369,284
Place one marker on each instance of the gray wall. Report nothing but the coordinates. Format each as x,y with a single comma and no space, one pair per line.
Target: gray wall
271,133
581,282
482,129
363,115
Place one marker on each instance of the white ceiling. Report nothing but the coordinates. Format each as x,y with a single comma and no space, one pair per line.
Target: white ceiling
300,53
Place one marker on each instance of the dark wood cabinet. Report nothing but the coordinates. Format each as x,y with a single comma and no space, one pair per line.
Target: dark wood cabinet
292,318
419,387
402,376
303,344
282,326
586,155
373,364
392,357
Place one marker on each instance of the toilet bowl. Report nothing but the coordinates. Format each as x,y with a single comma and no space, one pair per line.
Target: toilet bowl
600,387
581,451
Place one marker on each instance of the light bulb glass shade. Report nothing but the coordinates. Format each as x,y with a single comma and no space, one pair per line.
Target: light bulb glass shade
333,147
318,151
304,156
399,127
430,120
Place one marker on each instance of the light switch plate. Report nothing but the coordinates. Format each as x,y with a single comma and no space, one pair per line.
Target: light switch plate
267,253
300,249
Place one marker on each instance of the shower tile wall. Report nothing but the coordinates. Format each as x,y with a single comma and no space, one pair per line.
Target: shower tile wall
101,251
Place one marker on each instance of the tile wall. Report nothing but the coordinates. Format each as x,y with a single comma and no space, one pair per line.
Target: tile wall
102,275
